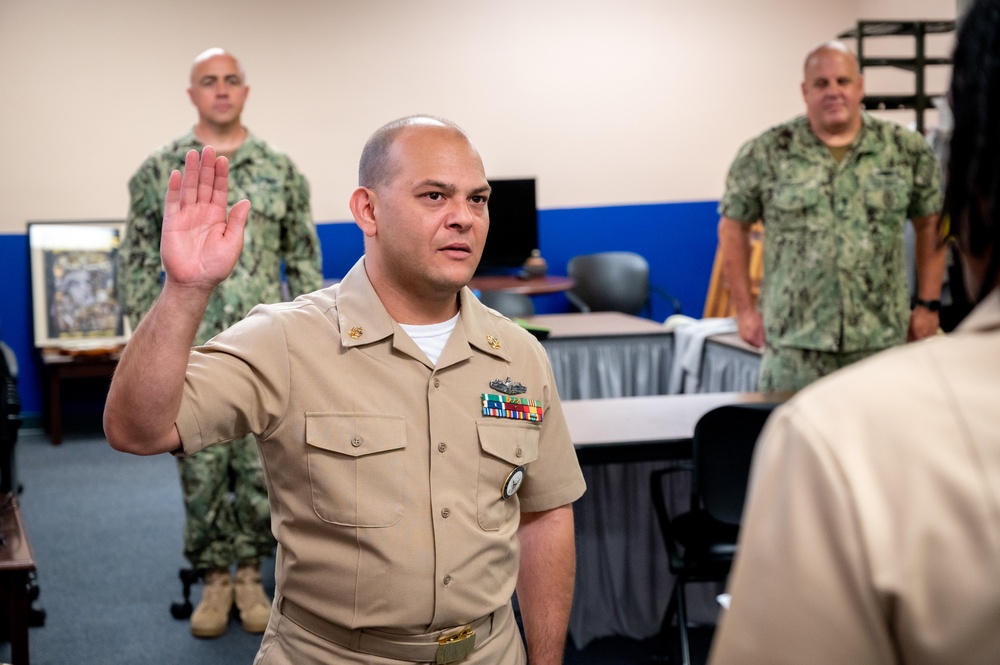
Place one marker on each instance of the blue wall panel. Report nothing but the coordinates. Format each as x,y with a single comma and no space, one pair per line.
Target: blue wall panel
343,245
15,317
678,240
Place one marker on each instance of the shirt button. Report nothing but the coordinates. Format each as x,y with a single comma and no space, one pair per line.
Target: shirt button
356,441
447,579
445,512
518,453
437,382
442,447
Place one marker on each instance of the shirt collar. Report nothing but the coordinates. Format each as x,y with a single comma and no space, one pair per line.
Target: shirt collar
865,141
985,316
363,319
190,142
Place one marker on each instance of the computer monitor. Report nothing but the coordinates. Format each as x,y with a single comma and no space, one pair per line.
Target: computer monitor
513,226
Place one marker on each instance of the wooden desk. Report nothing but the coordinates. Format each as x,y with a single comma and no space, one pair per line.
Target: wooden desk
651,428
58,368
16,565
531,286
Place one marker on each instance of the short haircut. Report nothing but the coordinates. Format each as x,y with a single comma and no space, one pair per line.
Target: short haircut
831,47
213,52
376,167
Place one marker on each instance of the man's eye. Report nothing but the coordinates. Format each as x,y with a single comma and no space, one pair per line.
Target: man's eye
435,196
480,199
232,80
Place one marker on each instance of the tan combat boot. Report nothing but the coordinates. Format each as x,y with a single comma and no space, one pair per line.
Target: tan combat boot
211,617
251,601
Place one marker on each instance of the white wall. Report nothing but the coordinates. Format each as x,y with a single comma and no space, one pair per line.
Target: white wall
606,102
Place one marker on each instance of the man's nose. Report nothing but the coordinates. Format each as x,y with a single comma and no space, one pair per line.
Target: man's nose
463,216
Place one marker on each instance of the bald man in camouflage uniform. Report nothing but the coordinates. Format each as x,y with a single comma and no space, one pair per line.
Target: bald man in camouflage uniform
223,527
833,188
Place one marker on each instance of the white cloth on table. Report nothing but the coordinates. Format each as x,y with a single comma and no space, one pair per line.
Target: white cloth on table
689,340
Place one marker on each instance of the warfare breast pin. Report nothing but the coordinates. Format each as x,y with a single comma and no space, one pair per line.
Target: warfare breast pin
508,387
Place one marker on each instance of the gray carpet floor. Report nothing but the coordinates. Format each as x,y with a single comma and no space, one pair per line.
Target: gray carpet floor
105,530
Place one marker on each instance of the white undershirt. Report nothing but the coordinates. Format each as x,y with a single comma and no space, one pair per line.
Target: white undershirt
431,338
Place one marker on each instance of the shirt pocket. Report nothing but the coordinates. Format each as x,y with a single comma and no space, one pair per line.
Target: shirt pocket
793,204
353,462
886,194
267,196
505,446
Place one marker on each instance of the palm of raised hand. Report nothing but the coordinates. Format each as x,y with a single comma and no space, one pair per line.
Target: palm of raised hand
200,245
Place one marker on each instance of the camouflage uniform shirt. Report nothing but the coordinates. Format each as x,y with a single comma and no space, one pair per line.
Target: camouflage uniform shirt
280,229
834,263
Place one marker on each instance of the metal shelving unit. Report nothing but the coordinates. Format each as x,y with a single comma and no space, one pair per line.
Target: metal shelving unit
920,100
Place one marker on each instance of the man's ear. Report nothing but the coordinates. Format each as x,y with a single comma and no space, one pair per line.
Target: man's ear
364,204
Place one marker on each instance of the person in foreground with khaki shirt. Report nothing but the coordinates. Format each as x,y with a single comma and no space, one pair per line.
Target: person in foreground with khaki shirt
417,460
871,533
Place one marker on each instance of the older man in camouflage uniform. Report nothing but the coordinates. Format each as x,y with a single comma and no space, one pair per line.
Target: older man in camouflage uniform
223,527
833,189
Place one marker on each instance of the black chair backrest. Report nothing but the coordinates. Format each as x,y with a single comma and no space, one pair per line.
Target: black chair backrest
10,417
611,281
511,305
724,440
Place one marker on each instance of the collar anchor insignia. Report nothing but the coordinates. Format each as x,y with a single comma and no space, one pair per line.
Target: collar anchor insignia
508,387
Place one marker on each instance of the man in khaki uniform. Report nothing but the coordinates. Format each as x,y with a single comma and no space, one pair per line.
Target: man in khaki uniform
872,528
416,455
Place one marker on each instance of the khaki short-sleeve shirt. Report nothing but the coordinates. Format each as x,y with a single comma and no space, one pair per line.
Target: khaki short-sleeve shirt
871,533
385,478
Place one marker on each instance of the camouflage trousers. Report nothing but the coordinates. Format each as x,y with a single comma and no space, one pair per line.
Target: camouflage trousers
786,369
227,517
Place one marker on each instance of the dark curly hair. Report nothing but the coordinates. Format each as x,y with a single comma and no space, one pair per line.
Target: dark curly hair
972,194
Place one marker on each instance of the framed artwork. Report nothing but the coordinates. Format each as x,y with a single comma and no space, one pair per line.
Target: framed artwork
73,294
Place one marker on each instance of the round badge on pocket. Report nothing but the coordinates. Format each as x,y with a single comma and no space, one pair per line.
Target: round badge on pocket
513,482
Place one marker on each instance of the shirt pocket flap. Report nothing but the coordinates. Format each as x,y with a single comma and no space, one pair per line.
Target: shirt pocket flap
886,191
798,195
515,443
355,434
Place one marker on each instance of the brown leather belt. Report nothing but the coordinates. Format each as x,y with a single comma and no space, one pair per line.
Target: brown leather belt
444,646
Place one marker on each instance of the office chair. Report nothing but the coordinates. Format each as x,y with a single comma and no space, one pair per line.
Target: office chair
701,542
511,305
614,282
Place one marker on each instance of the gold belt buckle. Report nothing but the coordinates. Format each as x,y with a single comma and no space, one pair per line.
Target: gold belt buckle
454,648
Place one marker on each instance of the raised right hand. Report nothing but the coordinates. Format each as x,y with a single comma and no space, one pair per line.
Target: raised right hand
200,245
